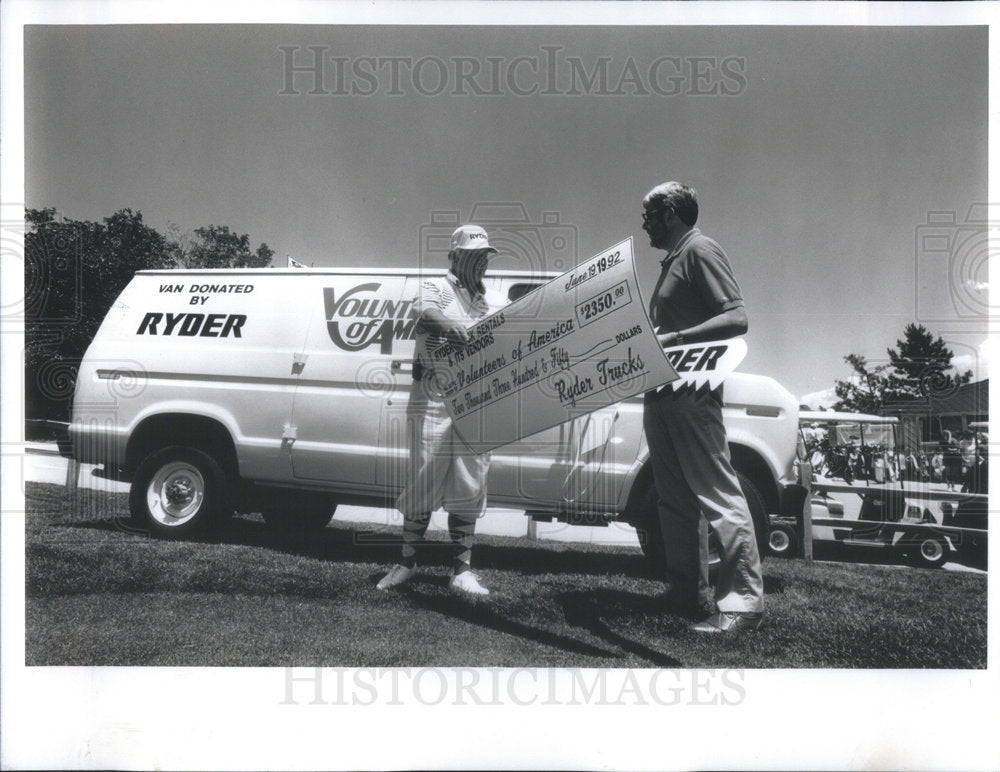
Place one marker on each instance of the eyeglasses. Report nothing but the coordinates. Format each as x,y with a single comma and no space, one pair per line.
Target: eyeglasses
652,214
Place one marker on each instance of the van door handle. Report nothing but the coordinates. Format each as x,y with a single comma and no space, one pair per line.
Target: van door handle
298,362
403,366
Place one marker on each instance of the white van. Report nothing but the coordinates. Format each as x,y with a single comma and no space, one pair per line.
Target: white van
283,391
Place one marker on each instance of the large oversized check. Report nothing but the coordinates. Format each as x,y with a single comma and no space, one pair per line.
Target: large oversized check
574,345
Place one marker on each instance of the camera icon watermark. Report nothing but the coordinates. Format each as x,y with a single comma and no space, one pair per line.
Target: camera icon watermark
53,271
12,257
952,265
538,247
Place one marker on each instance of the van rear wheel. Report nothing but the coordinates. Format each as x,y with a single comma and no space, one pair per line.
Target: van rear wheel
178,491
647,528
651,538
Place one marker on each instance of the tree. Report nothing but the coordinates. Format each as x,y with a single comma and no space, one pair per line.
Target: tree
74,270
921,366
216,247
918,368
865,391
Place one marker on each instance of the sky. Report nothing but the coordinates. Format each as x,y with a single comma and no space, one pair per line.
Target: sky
823,156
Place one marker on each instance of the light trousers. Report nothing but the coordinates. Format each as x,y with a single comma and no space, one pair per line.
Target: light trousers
696,486
443,472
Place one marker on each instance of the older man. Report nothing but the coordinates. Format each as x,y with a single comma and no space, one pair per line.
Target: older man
443,471
697,299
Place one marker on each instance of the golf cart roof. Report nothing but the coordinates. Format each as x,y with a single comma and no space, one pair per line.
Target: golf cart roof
836,416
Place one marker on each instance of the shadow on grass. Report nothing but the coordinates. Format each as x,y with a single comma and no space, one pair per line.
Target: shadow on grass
593,610
340,542
484,614
773,585
837,552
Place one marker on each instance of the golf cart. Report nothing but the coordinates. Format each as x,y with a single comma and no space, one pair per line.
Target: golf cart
972,512
855,453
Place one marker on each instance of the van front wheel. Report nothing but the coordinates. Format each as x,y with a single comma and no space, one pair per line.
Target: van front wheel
177,491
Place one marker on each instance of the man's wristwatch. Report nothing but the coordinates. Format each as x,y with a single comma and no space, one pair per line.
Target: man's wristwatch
680,339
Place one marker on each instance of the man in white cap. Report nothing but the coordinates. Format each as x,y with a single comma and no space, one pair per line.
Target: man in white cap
443,471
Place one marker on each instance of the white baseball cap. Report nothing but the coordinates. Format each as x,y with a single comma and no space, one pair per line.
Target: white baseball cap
471,237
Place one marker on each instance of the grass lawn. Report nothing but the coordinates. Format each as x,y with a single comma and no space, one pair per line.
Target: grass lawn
100,594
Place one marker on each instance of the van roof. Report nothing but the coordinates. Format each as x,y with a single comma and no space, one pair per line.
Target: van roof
359,271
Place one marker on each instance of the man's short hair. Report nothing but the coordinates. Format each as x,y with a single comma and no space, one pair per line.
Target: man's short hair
683,199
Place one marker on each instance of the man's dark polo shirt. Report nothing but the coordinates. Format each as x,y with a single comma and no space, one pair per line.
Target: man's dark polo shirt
696,283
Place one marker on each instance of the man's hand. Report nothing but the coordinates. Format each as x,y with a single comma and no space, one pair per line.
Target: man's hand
439,324
667,339
456,334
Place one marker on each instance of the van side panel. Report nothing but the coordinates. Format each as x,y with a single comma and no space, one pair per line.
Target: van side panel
360,325
213,344
763,416
579,465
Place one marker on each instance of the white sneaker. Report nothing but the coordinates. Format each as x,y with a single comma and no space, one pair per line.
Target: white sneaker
399,574
468,583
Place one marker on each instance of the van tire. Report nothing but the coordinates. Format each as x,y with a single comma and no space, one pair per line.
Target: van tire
647,526
758,512
178,491
651,537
